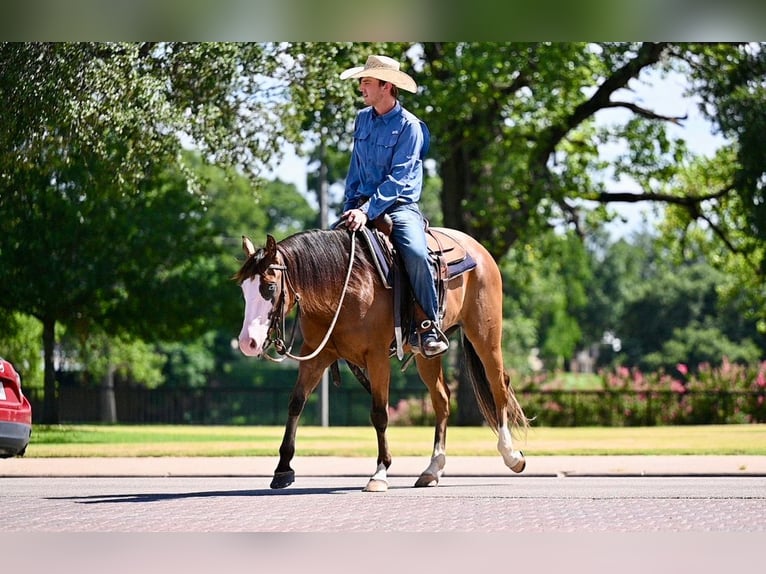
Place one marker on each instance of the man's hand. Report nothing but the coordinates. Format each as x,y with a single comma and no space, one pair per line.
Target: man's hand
354,219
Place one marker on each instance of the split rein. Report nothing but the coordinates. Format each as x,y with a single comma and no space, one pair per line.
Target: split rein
279,313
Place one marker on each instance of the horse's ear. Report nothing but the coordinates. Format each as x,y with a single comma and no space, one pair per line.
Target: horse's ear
248,246
271,247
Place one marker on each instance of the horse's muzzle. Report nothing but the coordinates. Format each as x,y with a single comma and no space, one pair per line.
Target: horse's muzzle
252,340
249,347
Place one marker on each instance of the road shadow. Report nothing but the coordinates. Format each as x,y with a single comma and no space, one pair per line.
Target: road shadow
165,496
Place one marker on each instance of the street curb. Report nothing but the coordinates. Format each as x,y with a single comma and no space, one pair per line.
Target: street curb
537,466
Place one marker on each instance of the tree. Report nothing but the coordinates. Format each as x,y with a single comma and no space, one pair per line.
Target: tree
676,313
99,230
545,283
83,256
233,208
20,344
729,78
515,138
516,146
153,98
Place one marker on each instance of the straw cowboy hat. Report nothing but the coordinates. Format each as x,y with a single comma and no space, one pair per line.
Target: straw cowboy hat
382,68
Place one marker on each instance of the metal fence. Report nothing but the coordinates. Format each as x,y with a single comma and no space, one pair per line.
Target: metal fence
350,405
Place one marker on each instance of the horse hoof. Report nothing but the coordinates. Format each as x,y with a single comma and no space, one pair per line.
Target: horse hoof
521,465
283,479
427,480
375,485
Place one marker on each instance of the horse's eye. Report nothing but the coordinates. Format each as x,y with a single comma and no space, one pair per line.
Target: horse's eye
268,291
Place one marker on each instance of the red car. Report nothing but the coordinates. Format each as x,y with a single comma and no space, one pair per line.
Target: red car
15,413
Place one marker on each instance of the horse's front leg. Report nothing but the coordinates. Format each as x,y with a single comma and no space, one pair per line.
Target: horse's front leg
380,377
309,375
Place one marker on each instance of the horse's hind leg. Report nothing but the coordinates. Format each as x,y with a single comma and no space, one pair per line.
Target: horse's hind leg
432,374
308,378
502,410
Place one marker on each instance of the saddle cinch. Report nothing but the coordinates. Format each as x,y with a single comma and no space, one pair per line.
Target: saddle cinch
449,258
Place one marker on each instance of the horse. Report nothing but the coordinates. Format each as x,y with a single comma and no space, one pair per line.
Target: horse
353,320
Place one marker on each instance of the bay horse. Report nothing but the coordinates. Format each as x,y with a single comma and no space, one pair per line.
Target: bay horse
354,320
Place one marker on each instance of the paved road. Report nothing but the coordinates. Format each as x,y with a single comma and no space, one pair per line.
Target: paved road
337,504
564,514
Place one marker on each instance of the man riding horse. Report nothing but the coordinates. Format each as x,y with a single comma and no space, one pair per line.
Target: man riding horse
385,177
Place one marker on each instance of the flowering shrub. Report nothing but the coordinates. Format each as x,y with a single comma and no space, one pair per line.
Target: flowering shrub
413,411
727,393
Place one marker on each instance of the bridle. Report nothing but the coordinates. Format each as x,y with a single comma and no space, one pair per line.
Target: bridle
279,315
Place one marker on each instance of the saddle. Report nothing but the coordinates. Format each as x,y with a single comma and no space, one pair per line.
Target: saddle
448,257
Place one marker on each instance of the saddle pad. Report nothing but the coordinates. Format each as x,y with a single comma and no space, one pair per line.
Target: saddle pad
459,267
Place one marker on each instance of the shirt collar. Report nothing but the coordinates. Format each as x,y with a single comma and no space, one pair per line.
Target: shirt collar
397,109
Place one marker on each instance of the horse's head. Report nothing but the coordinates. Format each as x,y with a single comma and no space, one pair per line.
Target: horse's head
259,278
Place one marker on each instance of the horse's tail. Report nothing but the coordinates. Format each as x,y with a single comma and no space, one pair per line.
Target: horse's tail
481,388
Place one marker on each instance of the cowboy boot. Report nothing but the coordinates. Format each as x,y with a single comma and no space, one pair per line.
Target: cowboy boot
429,339
433,342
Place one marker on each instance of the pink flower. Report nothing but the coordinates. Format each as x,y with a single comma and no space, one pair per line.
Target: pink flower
623,372
553,406
761,380
677,387
683,369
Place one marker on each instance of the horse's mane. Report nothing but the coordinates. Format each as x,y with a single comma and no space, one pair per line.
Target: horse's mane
317,262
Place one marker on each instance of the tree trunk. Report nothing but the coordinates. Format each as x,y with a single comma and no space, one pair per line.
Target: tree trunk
50,397
455,178
108,402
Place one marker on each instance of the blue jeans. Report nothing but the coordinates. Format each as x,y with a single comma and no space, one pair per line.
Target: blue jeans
409,238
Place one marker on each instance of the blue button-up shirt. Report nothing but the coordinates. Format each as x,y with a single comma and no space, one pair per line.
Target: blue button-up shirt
387,160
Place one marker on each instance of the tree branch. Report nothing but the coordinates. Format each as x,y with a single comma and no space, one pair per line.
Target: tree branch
646,113
648,54
630,197
572,215
729,245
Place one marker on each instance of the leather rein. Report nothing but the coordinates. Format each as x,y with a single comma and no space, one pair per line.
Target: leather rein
279,315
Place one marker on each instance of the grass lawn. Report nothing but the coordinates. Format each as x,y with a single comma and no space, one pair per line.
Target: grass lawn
165,440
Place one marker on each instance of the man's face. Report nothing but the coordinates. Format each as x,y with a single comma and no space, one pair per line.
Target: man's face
372,90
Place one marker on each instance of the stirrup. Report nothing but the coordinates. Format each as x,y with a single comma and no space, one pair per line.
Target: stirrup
436,346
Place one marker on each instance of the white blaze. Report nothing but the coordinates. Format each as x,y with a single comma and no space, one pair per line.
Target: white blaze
255,327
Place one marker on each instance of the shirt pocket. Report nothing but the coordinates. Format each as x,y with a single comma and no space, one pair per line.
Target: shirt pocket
362,132
384,148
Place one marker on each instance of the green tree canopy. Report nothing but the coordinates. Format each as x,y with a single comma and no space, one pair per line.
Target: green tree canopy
104,223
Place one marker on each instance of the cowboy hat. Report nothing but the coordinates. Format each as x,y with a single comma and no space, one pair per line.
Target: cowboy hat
382,68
